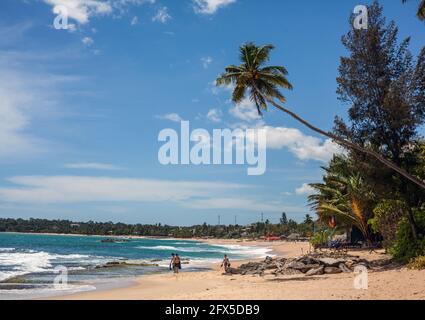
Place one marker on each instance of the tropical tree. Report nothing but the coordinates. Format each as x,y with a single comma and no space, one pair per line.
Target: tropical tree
283,219
343,196
383,87
308,219
421,9
262,84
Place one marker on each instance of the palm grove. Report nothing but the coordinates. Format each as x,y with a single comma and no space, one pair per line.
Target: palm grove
377,185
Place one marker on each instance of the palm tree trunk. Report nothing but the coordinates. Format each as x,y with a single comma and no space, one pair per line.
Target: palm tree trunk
412,223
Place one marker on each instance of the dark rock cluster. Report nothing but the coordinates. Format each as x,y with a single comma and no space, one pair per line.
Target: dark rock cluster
309,265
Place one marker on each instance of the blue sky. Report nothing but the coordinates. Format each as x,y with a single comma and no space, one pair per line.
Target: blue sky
81,109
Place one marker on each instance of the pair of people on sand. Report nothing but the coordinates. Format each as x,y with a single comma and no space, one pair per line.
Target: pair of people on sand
175,263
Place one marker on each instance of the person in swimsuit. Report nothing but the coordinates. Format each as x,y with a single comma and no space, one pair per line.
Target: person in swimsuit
225,263
176,264
172,261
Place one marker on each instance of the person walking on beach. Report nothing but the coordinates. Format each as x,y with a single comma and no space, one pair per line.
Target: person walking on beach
176,264
225,263
172,261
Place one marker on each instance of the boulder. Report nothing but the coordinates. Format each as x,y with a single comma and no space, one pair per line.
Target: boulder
344,268
268,260
315,272
309,267
349,263
361,264
295,265
331,262
249,265
332,270
307,260
272,266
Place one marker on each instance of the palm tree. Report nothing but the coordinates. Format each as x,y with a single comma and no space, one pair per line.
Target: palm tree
421,9
341,200
343,197
262,84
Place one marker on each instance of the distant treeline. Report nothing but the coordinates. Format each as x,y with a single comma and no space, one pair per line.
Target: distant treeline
254,230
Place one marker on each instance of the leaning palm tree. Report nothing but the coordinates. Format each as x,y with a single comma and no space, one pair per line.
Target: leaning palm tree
421,9
262,84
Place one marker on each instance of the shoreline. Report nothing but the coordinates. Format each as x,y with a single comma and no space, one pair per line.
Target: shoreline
94,235
214,268
157,282
393,284
255,250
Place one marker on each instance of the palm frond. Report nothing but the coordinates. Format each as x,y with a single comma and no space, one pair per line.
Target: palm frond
421,10
262,55
263,83
276,79
238,93
275,70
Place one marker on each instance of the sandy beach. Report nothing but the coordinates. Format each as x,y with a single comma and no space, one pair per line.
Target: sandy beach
395,284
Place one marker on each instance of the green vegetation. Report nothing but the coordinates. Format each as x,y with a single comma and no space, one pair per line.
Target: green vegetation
252,75
377,186
384,87
322,237
417,263
405,246
261,83
344,195
255,230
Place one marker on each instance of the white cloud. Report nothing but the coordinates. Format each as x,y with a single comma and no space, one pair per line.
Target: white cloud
162,15
87,41
286,193
171,117
25,95
305,189
81,189
206,61
245,111
214,115
210,6
199,195
304,147
82,10
14,122
92,165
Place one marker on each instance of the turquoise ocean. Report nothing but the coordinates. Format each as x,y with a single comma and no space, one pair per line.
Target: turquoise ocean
29,263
